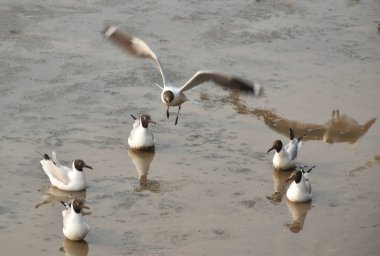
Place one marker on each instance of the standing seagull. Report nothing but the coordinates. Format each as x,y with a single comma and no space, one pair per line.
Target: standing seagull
285,157
141,137
63,177
299,190
174,96
74,226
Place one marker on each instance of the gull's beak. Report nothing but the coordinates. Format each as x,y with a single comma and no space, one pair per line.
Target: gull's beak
152,122
87,166
269,150
85,206
134,118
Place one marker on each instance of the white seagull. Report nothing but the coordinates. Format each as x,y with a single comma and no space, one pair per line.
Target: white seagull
74,226
299,190
141,137
63,177
171,95
285,157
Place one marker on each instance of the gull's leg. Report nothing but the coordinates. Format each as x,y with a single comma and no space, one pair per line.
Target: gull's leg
167,113
176,119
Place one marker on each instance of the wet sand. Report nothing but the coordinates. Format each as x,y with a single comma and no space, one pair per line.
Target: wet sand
210,188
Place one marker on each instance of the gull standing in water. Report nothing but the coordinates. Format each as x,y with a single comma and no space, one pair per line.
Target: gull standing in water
299,190
171,95
63,177
74,226
285,157
141,137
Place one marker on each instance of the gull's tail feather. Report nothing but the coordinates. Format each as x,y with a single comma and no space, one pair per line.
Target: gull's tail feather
311,168
291,134
45,156
65,204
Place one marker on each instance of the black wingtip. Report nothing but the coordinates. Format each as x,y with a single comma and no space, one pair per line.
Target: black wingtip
45,156
311,168
243,85
291,133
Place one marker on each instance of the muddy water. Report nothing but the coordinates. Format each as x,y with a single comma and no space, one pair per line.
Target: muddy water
210,187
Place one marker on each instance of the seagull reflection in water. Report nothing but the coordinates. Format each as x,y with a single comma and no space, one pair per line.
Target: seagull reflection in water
298,212
279,184
340,128
54,195
142,161
77,248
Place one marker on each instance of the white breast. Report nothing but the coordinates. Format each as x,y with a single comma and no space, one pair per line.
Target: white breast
74,226
141,138
299,192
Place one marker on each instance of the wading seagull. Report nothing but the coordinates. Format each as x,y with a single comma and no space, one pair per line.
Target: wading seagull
141,137
299,190
171,95
63,177
74,226
285,157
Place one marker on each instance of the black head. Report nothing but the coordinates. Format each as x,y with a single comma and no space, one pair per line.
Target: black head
80,164
168,96
78,205
145,120
277,145
296,176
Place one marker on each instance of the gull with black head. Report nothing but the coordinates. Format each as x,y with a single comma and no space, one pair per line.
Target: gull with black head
63,177
171,95
74,226
299,190
285,157
141,137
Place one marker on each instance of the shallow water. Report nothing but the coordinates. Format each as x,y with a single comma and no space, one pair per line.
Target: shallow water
211,189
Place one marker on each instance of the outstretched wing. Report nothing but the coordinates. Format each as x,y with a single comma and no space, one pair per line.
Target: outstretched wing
134,46
223,80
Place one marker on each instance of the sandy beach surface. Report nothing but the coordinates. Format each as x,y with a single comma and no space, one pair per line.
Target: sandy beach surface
211,187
